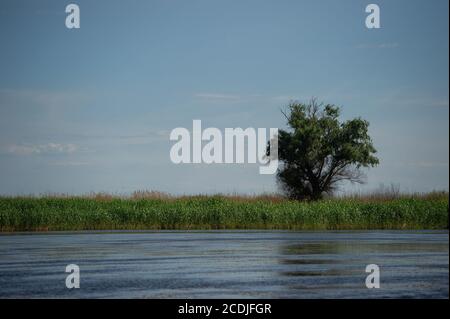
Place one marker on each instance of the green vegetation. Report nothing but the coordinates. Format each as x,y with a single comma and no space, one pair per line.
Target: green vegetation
318,151
221,212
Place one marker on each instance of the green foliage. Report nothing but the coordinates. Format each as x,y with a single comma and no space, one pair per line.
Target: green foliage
319,151
217,212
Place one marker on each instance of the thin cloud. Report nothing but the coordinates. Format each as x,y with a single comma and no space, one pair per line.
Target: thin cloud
69,163
407,101
40,98
135,139
288,98
440,103
217,96
392,45
426,164
49,148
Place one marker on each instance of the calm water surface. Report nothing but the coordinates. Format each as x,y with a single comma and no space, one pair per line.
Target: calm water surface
225,264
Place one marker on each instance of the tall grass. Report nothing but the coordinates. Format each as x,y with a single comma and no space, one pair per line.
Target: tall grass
161,211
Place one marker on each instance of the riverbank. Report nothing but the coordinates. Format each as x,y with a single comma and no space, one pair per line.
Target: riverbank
50,213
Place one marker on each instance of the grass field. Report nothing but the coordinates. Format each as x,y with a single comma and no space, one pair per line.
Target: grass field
145,210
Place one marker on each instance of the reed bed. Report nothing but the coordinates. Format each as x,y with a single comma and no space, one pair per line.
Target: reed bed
152,211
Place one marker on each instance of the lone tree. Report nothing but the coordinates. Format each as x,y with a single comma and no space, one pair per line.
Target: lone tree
319,151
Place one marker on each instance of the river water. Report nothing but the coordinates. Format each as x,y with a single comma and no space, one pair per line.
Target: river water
225,264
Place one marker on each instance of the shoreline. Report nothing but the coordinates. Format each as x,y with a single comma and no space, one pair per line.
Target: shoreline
218,231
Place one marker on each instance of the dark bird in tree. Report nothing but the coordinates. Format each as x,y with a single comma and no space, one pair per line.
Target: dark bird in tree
318,151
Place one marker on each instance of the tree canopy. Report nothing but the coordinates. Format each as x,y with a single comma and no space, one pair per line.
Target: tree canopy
318,151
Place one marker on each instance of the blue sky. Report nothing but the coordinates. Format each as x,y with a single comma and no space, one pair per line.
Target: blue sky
91,109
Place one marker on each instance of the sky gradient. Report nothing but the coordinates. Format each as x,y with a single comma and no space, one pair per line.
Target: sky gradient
91,109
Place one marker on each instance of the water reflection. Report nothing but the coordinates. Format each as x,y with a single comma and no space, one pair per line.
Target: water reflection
224,264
